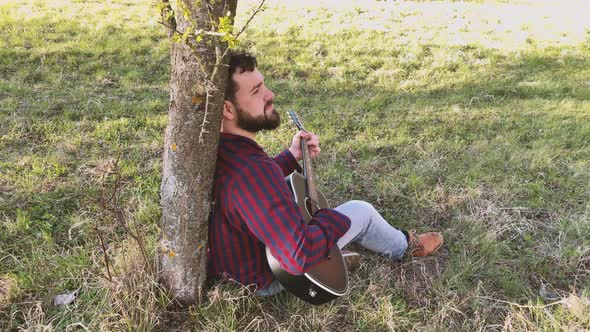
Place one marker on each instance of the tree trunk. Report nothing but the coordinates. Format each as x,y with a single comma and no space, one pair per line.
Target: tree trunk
190,149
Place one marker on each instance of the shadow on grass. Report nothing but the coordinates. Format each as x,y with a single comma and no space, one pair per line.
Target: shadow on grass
60,68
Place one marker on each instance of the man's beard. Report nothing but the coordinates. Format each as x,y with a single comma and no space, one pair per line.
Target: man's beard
267,121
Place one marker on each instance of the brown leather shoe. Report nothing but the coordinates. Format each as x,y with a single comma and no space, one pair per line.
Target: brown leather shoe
424,244
351,259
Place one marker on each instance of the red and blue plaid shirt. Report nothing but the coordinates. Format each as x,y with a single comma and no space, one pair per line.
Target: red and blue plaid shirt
255,208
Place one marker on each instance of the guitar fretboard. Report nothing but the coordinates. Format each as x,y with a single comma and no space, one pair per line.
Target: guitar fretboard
308,173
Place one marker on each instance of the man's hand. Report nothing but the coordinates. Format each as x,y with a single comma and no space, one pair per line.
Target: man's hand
313,141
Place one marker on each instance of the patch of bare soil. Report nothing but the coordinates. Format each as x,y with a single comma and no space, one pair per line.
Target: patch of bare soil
416,276
175,321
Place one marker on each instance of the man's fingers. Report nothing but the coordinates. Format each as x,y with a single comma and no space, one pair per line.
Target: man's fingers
315,152
311,137
313,141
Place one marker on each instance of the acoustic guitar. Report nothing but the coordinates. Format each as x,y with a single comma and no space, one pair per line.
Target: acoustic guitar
329,279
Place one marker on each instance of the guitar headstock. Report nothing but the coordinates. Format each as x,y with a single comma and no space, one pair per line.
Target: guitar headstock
296,120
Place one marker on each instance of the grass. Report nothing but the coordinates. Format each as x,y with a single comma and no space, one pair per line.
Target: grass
471,118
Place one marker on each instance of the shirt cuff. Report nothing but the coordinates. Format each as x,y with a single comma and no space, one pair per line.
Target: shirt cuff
337,222
287,162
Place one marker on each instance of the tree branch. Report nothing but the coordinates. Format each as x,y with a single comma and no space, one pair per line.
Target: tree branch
195,34
251,17
204,124
167,14
220,59
104,252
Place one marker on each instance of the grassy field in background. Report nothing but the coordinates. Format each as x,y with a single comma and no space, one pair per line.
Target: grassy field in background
472,118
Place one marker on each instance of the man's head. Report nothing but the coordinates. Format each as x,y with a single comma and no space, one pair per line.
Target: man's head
248,102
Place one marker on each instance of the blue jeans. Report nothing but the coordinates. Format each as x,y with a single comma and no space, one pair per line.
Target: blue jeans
367,228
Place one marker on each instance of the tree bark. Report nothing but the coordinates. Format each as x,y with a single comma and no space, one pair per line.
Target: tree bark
190,149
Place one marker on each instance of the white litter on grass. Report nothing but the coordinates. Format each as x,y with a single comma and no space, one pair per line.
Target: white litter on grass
65,298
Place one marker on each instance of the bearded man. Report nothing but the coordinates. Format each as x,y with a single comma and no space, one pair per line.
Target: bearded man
254,208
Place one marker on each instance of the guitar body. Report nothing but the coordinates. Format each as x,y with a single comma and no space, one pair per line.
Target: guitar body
324,281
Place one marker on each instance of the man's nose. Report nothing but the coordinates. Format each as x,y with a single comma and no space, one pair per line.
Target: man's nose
270,95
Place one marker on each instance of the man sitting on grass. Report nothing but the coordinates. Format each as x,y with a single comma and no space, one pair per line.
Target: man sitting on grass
254,208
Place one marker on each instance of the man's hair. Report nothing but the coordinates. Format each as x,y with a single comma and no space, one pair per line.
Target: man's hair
238,60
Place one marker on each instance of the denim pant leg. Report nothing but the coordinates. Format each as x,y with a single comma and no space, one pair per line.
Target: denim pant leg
369,229
273,289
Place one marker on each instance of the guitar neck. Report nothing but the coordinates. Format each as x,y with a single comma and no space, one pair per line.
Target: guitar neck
308,173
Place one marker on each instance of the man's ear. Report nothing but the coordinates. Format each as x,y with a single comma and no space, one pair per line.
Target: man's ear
229,111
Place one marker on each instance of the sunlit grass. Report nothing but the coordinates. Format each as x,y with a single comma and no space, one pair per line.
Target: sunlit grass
490,24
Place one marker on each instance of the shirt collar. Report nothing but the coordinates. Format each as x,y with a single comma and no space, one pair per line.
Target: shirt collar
233,138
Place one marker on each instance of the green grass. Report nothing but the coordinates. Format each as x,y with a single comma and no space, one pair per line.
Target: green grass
472,118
